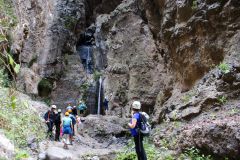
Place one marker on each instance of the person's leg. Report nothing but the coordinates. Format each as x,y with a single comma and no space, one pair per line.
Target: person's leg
142,151
50,126
137,147
57,134
73,133
51,129
70,135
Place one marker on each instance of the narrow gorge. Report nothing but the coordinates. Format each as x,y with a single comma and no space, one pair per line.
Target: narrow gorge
179,58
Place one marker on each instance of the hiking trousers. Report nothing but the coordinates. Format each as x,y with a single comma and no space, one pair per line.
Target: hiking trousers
138,140
57,134
50,128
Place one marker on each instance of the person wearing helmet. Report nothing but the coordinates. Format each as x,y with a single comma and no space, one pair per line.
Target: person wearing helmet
134,125
74,111
58,125
69,107
49,117
67,128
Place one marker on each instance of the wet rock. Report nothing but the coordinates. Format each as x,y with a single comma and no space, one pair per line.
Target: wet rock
56,153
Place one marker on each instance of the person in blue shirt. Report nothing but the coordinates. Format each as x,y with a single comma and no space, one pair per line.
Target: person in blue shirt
73,121
134,128
67,128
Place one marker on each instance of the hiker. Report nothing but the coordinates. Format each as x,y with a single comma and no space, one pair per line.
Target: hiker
58,125
50,119
134,128
67,129
82,107
78,121
105,104
73,121
74,111
69,107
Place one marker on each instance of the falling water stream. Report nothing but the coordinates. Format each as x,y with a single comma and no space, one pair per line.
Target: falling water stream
99,95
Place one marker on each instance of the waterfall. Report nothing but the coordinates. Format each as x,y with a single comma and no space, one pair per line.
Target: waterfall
85,53
87,61
99,95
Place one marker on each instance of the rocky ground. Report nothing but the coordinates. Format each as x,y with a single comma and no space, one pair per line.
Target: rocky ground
100,138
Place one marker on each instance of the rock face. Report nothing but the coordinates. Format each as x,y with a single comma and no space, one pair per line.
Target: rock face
46,31
133,64
179,58
220,136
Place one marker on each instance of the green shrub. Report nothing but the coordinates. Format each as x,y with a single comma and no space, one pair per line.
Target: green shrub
194,4
187,97
21,154
45,87
96,75
84,90
222,99
194,154
18,120
224,68
127,156
4,81
129,152
70,22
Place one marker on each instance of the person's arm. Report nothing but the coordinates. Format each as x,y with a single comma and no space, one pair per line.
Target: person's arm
46,115
71,125
133,124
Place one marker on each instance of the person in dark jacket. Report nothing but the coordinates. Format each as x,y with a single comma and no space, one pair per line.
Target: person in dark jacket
58,124
134,125
74,111
105,104
50,119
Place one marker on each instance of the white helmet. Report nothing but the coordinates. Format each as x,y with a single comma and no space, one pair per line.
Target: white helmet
136,105
54,106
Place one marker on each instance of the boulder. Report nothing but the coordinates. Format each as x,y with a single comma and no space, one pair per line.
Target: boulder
57,153
219,136
102,126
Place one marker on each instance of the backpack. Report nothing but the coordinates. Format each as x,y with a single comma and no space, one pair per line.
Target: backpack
73,119
144,127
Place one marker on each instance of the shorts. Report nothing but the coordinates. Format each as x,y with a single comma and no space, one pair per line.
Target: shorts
67,130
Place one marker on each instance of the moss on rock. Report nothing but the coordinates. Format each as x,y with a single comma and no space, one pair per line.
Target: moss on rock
45,87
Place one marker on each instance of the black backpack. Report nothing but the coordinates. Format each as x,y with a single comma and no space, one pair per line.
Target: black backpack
144,127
